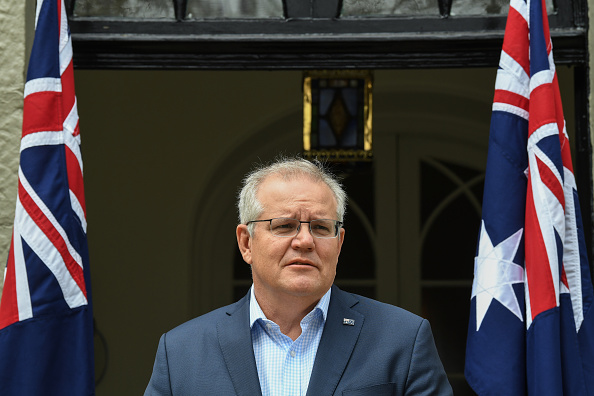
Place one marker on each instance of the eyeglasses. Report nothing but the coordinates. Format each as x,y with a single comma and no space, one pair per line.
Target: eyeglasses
319,228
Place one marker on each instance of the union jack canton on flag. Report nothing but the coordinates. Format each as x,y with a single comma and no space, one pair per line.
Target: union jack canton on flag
46,320
531,321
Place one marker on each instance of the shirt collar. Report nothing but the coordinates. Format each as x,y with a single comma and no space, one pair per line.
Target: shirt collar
256,312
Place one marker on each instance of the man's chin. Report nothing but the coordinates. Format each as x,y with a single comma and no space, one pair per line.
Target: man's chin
307,288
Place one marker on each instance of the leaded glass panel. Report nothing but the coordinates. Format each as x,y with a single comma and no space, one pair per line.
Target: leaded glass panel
337,115
210,9
142,9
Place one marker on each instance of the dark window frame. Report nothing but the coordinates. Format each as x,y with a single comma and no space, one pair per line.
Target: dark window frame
312,37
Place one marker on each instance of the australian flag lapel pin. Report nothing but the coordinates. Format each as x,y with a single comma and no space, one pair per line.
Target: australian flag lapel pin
348,322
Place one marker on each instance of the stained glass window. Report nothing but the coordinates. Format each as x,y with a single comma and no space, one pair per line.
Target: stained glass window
337,115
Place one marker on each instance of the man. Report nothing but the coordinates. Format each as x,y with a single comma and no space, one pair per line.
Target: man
294,333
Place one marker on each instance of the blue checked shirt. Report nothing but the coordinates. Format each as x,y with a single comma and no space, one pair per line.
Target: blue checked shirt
284,366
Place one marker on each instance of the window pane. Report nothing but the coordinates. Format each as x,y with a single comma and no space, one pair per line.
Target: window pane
447,254
371,8
447,310
484,7
148,9
201,9
445,202
353,8
357,257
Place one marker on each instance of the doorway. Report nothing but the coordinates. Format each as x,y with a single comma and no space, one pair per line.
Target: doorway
164,156
413,214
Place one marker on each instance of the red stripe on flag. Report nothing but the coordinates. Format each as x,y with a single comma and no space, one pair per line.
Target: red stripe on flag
551,182
558,106
565,149
542,110
59,4
75,178
76,129
68,95
54,236
504,96
9,310
41,112
538,272
515,41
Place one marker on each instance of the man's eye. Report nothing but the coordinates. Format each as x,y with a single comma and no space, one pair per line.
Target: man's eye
283,225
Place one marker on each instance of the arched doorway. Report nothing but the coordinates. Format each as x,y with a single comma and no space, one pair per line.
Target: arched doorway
421,195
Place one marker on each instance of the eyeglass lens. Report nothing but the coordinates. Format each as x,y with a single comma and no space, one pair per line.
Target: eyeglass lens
320,228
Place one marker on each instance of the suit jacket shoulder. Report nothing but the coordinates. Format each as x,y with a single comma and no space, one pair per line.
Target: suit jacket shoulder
369,347
211,354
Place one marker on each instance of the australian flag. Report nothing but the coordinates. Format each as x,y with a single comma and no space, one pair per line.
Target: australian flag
46,320
531,321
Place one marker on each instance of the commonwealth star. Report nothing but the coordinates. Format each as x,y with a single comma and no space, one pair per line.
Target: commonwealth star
495,273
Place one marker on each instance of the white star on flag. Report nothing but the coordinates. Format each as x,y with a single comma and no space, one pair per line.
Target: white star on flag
495,273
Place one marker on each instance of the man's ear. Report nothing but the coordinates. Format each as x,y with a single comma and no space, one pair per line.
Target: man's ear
244,242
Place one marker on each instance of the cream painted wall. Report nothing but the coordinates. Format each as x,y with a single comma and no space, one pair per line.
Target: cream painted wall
12,80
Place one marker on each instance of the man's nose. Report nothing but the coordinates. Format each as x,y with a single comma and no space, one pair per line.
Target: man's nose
303,239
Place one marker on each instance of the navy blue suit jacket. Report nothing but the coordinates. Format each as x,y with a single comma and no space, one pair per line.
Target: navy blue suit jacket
387,351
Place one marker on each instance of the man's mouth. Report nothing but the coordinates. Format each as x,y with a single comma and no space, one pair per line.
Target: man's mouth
301,263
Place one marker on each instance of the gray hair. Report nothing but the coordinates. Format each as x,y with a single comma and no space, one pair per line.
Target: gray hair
288,168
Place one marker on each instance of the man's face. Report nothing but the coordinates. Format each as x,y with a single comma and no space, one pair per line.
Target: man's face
292,266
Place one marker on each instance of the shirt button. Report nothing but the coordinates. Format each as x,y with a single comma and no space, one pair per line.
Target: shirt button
292,353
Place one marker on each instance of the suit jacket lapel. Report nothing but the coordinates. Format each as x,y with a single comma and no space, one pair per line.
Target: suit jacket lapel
235,340
337,343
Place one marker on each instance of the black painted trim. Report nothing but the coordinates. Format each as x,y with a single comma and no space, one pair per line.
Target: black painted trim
583,163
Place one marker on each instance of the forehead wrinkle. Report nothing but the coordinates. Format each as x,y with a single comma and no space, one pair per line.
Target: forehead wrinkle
300,203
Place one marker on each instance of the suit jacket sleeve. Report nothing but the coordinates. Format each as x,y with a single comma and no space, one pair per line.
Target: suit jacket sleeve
426,375
159,383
